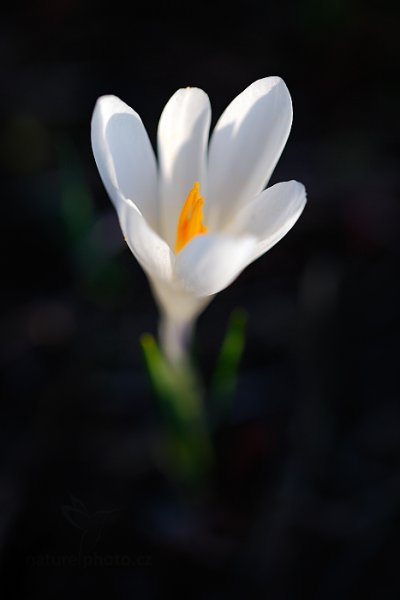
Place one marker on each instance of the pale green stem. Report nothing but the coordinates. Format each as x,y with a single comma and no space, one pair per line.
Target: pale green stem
175,339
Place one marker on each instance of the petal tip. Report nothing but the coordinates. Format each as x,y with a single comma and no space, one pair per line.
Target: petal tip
190,93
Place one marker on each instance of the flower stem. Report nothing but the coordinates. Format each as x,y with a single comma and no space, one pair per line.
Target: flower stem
175,339
187,452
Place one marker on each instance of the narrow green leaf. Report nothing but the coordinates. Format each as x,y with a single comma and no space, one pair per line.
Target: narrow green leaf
181,405
225,375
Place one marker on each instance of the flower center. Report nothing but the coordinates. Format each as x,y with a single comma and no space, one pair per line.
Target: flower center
190,222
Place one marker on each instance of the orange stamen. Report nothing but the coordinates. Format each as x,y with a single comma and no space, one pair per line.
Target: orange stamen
190,222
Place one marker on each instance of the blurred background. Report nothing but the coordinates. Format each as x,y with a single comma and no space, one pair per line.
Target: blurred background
305,501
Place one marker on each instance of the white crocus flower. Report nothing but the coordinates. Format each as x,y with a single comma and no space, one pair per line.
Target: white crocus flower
195,222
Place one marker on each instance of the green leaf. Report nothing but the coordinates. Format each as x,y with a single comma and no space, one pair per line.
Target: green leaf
180,401
224,380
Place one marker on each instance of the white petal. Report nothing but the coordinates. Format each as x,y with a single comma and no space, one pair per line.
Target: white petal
245,147
210,262
124,155
270,215
182,144
152,252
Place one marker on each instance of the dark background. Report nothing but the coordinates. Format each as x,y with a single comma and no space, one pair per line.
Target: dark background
306,498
